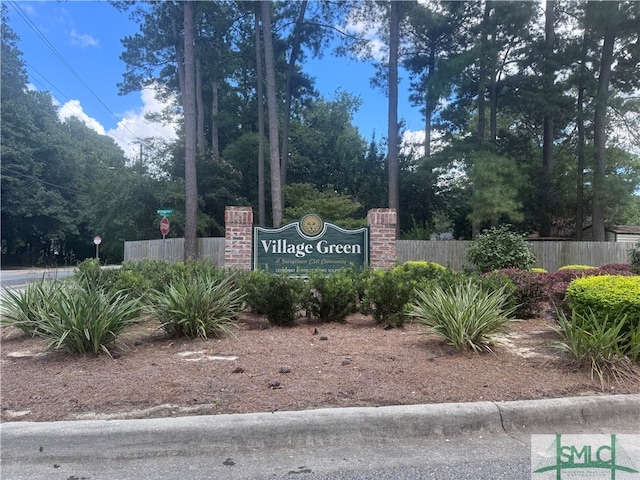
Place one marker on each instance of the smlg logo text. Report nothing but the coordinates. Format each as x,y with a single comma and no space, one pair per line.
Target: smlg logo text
577,457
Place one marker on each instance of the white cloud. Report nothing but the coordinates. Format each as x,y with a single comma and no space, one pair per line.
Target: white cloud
366,23
135,126
413,143
131,128
73,109
83,40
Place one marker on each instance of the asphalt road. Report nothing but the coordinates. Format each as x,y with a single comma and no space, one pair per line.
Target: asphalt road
18,278
484,440
457,458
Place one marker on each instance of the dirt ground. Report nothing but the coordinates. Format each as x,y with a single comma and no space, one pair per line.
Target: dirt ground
265,369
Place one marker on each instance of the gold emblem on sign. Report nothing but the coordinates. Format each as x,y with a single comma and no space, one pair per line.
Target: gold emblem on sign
311,224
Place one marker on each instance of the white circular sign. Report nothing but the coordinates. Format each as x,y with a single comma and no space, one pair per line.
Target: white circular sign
97,240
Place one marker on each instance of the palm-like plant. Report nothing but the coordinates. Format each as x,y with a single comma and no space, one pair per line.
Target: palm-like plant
197,306
83,318
599,343
464,315
23,308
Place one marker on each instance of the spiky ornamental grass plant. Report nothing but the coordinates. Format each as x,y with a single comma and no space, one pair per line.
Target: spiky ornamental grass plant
23,309
599,343
464,316
83,318
197,306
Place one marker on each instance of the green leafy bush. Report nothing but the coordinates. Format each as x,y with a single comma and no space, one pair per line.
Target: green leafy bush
333,297
254,286
89,272
197,306
465,316
597,342
576,267
497,280
146,275
386,293
607,295
634,258
23,309
140,278
422,275
276,296
498,248
83,318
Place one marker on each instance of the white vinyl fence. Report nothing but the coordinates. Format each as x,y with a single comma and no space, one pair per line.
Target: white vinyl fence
450,253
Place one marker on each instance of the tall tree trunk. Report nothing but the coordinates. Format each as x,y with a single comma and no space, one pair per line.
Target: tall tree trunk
429,107
392,154
581,164
546,188
581,141
260,101
482,74
189,107
215,139
291,69
215,95
493,102
272,107
599,132
200,111
179,46
429,104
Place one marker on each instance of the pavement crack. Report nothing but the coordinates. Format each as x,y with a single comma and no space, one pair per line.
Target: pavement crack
501,417
300,470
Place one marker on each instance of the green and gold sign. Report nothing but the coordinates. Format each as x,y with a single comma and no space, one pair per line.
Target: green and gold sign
309,244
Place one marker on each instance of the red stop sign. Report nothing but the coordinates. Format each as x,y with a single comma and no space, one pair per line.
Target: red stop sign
164,226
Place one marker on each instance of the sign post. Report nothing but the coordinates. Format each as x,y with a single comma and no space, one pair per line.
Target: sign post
164,229
164,226
97,240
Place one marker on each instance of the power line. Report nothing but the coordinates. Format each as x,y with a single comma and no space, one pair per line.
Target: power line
40,181
44,39
78,112
75,174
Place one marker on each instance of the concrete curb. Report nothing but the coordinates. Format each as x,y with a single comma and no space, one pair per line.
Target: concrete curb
95,439
564,415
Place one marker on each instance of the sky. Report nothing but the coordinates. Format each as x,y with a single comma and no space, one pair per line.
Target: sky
72,49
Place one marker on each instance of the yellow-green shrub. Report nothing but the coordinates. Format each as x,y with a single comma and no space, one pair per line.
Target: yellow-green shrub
609,295
424,263
576,267
539,270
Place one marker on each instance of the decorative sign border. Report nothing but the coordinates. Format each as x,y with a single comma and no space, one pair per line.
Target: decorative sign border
288,250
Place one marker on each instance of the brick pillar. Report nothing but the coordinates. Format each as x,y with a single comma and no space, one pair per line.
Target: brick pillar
382,237
238,233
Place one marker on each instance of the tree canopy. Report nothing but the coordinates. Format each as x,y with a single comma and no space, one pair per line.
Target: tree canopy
528,113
